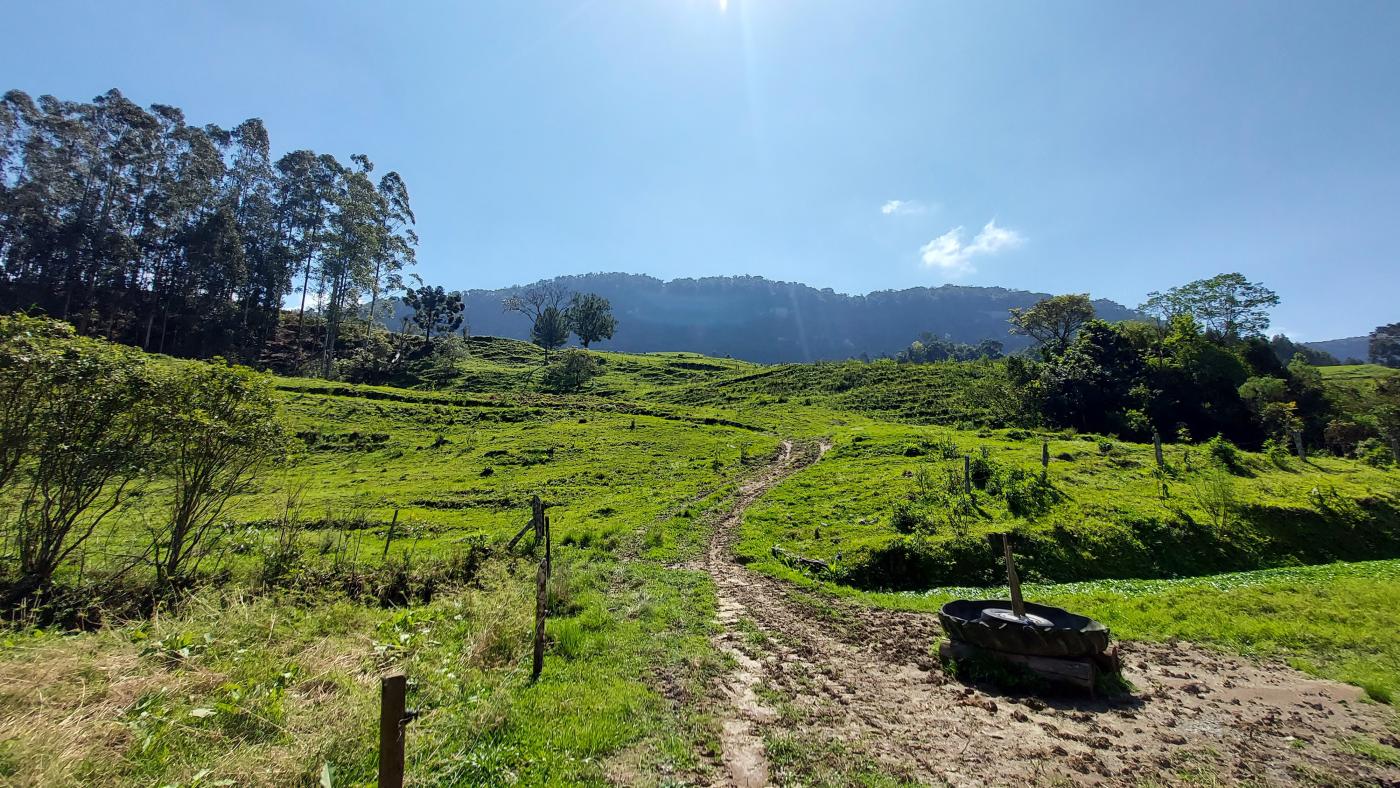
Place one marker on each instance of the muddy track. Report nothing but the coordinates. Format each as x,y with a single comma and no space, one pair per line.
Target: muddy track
866,681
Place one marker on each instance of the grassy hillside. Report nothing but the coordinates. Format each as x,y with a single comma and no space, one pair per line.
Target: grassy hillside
888,509
268,674
1354,386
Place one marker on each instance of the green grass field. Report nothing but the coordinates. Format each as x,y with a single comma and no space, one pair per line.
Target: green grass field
263,686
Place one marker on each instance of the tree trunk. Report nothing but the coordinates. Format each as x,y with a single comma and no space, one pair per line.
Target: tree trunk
301,313
21,590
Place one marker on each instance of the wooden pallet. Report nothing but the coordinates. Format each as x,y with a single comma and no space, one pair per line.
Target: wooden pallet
1078,672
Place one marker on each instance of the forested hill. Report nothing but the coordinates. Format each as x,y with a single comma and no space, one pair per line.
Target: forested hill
1345,350
757,319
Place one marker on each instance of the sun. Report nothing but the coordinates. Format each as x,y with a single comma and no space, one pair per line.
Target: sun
723,6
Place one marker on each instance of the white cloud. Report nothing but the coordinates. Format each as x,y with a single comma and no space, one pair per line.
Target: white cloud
949,254
903,207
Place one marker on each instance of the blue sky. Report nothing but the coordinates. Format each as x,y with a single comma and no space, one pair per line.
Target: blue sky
1107,147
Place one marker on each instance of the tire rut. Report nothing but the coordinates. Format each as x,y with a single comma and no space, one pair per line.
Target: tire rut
867,680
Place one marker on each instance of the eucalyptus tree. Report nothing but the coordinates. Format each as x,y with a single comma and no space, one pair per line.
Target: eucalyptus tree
397,241
193,175
251,191
307,201
184,238
355,241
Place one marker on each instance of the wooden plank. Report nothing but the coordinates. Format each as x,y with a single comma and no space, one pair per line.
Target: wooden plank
1018,604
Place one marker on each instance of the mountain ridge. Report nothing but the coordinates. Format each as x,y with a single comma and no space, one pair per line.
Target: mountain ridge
769,321
1345,348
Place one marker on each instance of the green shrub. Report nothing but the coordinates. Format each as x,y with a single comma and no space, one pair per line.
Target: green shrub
570,372
1226,454
904,519
981,472
1026,493
1277,453
1375,453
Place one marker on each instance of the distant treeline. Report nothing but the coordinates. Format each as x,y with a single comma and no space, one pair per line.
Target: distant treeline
139,227
1197,368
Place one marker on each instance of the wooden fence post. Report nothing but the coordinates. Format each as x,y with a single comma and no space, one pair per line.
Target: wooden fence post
1044,459
1298,443
389,539
392,691
1157,447
541,524
967,474
541,594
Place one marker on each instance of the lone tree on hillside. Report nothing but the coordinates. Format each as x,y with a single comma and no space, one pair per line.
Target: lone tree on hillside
591,318
434,309
551,330
544,305
1226,305
1053,321
1385,345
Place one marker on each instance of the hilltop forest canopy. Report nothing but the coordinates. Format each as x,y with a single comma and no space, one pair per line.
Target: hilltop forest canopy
139,227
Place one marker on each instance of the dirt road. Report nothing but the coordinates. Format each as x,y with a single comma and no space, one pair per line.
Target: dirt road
858,685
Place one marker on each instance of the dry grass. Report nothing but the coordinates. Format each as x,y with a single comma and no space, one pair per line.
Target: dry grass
258,692
70,705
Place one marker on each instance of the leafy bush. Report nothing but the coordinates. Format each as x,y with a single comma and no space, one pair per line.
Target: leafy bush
1215,492
1374,453
904,519
570,372
1225,454
981,472
1277,453
1026,493
1343,436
